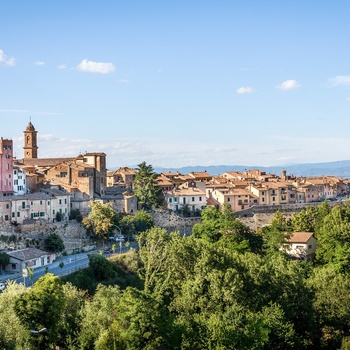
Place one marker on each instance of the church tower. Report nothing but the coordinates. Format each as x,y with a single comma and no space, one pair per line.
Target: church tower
30,144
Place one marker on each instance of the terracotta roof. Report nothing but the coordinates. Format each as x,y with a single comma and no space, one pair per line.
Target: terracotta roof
43,162
300,237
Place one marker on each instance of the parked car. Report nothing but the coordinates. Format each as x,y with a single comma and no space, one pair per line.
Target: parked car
119,238
2,286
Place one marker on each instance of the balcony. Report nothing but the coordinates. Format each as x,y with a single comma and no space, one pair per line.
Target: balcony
27,207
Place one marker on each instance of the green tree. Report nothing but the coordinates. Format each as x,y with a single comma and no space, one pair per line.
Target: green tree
141,322
322,211
127,226
332,305
101,267
74,301
279,222
145,187
4,260
273,240
54,243
153,249
13,334
41,307
211,227
101,219
334,239
98,315
143,221
304,221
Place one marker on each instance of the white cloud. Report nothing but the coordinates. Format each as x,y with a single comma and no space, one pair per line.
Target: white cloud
6,61
288,85
39,63
96,67
245,90
62,66
340,80
348,98
123,81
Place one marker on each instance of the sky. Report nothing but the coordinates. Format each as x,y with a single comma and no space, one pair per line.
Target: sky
178,83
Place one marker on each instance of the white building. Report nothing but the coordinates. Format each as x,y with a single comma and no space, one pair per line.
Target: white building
301,245
19,181
28,257
189,195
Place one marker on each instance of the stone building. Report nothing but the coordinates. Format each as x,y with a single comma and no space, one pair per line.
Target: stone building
84,177
6,167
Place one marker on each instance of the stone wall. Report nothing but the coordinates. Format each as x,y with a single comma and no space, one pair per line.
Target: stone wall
172,222
34,234
285,208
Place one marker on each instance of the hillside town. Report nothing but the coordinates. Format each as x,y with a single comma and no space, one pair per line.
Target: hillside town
34,188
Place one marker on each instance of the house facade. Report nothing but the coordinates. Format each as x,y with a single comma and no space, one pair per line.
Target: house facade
190,195
19,181
6,167
28,257
36,206
301,245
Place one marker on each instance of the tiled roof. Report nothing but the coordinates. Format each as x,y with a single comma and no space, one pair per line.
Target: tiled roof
300,237
27,254
42,162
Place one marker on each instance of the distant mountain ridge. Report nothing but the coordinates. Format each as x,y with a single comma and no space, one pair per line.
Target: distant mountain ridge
338,168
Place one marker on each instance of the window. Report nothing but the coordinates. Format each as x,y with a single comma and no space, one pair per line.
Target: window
6,218
7,206
229,199
175,199
65,201
310,246
170,200
15,182
41,202
48,202
263,199
24,205
63,174
13,214
53,211
192,199
18,214
13,266
42,213
200,199
60,201
273,199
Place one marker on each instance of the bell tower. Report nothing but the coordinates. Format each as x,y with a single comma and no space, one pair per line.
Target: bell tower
30,142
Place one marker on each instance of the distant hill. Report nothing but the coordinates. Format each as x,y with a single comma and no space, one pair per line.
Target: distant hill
338,168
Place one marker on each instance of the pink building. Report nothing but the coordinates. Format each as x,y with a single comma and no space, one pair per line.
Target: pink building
6,167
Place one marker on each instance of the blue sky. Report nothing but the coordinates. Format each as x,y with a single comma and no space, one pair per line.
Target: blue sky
178,83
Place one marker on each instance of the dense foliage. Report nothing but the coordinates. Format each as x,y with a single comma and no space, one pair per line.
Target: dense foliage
145,187
224,287
54,243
